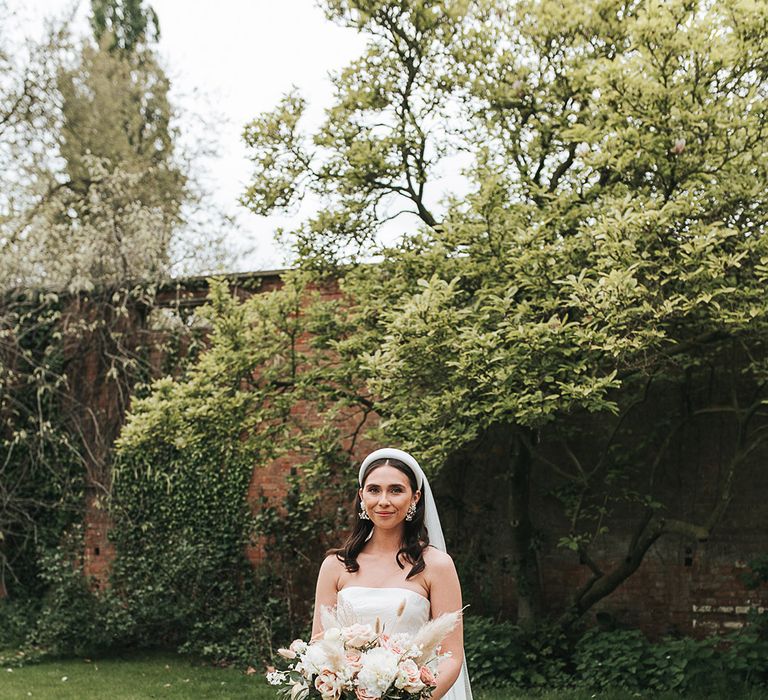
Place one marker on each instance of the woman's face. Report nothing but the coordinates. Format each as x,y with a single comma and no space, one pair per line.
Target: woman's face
386,495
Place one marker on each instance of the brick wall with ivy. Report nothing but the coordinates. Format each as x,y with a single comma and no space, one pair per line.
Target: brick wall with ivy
682,586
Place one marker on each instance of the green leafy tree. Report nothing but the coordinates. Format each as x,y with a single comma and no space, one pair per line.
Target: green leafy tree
93,210
126,23
184,463
100,190
610,251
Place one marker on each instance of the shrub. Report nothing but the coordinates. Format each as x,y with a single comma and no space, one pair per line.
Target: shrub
16,618
502,654
72,618
492,651
746,657
615,659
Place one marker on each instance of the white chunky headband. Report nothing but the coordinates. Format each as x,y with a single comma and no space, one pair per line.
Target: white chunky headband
392,453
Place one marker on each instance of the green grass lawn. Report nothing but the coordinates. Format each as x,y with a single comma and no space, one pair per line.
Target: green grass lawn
144,676
130,677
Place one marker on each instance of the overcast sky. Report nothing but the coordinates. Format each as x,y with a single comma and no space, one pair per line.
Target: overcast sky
235,58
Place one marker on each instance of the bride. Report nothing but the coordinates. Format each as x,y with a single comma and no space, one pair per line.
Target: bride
394,565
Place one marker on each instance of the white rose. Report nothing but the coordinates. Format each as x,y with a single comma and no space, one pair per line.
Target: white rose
314,661
298,646
378,671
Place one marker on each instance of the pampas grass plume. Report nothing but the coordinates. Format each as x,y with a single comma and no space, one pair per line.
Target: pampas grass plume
434,632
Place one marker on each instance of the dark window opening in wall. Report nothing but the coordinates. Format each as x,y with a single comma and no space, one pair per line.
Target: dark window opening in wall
96,551
688,561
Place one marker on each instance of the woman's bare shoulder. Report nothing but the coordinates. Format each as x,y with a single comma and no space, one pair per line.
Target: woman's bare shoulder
331,568
436,560
331,563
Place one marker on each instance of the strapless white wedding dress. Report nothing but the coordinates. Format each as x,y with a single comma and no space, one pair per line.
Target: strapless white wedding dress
366,604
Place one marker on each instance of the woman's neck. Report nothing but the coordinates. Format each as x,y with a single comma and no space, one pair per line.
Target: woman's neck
386,541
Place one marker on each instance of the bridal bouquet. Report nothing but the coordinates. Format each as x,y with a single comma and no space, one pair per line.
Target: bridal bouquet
361,662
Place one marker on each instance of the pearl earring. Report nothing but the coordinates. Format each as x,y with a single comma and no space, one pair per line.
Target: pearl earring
411,511
364,513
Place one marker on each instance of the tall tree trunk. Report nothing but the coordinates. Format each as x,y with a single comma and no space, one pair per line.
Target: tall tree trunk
525,557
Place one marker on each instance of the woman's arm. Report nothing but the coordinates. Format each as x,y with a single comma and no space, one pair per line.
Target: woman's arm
325,592
445,596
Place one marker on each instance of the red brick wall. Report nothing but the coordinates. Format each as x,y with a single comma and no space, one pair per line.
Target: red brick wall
99,551
684,587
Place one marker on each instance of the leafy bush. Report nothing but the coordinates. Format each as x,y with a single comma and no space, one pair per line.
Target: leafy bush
625,659
757,574
244,635
613,659
16,618
72,618
491,651
502,654
746,657
183,519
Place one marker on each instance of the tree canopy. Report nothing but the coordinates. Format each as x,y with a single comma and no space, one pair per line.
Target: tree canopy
611,237
99,187
127,23
96,194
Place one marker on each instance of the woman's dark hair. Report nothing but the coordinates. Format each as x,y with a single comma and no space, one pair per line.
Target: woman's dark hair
415,537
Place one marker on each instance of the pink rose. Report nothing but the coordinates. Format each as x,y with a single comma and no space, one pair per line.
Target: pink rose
427,677
409,677
362,694
394,644
328,685
354,662
287,653
358,635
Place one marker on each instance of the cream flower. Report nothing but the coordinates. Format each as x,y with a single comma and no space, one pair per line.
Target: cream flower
329,685
297,690
298,646
358,635
379,668
313,662
408,677
333,634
